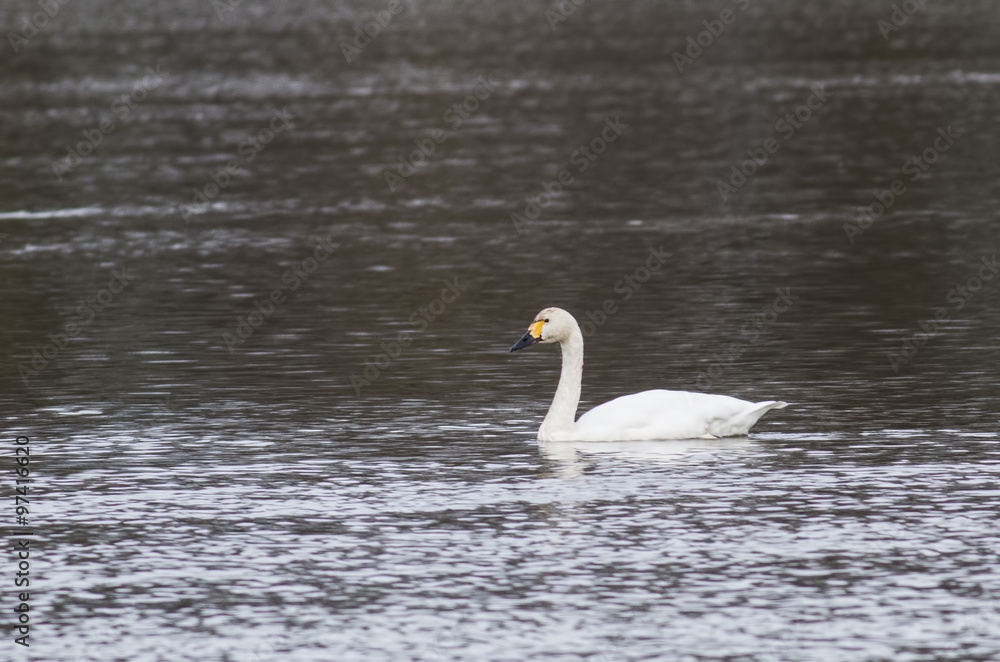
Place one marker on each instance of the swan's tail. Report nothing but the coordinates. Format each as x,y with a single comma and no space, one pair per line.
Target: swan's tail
741,423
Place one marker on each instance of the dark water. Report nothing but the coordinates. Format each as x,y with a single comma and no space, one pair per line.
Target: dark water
200,495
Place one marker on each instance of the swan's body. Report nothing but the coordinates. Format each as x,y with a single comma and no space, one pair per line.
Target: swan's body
645,416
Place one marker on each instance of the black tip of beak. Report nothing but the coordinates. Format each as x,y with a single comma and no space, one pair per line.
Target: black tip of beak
526,341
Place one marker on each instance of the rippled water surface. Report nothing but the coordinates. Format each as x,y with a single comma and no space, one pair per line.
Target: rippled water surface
348,470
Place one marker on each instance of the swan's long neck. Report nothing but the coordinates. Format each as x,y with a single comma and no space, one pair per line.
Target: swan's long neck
559,421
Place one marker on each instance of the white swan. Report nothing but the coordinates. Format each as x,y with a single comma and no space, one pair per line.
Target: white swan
645,416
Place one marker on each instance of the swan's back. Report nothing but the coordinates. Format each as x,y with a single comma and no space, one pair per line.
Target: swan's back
661,414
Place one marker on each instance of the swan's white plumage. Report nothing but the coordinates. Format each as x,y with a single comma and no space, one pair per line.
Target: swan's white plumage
663,414
645,416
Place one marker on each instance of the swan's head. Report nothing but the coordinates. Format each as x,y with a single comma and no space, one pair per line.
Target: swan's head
550,325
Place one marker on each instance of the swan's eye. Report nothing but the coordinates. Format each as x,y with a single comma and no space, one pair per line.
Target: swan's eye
546,320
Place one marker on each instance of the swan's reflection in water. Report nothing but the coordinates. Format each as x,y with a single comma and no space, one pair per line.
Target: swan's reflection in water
570,459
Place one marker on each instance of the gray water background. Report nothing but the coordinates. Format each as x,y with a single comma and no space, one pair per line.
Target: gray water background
192,502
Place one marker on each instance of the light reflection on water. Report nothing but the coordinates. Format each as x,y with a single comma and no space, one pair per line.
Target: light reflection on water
197,503
773,545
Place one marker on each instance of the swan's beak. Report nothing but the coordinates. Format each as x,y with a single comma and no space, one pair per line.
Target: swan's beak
533,336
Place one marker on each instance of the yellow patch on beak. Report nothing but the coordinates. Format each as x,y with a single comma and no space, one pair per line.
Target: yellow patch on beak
535,330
